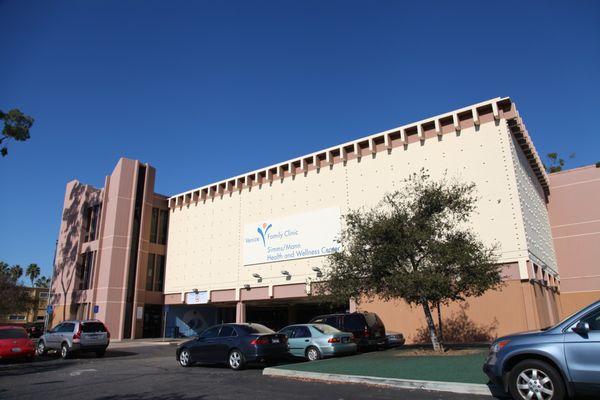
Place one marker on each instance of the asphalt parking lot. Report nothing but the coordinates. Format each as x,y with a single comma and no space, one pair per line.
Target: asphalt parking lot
153,373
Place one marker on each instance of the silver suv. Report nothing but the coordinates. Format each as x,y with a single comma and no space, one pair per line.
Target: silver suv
74,336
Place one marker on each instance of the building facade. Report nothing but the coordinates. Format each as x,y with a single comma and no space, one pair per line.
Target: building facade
110,255
37,313
254,247
575,221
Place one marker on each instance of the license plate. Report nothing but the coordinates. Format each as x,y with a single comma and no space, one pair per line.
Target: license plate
16,350
275,340
345,340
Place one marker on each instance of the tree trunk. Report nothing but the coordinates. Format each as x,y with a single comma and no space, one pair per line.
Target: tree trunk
440,329
431,326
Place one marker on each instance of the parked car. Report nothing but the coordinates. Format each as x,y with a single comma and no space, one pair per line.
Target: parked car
315,341
367,328
554,363
70,337
393,339
15,343
34,329
234,344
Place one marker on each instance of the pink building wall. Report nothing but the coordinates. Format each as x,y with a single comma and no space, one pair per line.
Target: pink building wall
574,209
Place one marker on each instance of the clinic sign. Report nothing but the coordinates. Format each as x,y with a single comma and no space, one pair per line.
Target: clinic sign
309,234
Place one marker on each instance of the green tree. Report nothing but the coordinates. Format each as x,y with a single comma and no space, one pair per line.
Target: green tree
415,245
16,127
32,272
16,272
15,297
43,282
555,162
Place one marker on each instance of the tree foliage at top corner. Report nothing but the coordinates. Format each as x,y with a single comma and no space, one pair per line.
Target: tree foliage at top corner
16,127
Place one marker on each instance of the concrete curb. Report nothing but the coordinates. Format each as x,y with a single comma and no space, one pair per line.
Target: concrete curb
454,387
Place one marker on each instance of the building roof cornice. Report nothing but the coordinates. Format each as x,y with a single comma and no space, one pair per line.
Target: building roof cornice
490,110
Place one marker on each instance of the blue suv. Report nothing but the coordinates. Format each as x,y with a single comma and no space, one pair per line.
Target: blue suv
551,364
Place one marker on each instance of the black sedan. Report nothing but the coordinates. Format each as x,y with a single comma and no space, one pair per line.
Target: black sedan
234,344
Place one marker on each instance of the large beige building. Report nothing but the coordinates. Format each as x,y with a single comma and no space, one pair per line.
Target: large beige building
217,254
253,247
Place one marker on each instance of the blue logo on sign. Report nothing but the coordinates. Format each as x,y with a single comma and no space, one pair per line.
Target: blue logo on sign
262,230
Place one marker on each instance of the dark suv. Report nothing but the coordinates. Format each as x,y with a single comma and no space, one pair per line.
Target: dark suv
367,328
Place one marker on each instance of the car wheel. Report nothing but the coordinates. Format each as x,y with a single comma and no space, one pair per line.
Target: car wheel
64,351
40,349
185,359
313,354
236,360
535,379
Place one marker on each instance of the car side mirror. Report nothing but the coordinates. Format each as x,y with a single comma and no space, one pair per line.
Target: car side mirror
581,327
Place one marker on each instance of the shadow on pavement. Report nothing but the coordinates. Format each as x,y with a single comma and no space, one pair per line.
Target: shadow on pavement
21,369
152,396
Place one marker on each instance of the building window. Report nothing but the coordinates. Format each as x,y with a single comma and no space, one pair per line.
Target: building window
92,216
16,317
155,274
43,295
154,225
163,226
159,225
150,272
85,271
160,273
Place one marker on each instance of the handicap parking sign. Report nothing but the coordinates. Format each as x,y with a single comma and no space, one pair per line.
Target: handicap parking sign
49,309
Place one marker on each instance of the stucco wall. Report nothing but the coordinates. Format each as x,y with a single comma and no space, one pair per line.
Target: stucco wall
205,243
532,203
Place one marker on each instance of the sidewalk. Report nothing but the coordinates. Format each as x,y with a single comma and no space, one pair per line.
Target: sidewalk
460,373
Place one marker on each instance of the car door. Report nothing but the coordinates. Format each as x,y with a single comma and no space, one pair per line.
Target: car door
65,334
204,347
582,352
51,337
300,340
293,343
226,340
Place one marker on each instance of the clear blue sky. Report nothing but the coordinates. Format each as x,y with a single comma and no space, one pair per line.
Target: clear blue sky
209,89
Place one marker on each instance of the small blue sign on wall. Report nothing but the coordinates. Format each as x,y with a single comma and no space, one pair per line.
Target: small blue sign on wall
49,309
96,309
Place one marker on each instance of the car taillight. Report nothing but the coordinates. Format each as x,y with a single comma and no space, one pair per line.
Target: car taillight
107,332
259,340
78,334
367,333
333,340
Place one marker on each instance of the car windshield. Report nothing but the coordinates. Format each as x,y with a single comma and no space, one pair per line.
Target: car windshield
255,328
13,334
325,329
570,316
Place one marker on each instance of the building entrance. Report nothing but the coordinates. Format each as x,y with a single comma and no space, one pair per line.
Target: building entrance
278,314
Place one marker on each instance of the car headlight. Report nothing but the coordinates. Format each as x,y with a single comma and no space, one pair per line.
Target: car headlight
496,347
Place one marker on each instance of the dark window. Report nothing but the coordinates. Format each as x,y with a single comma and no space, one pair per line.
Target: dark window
226,331
354,322
254,328
85,271
160,273
373,320
593,320
332,320
287,332
92,216
13,334
154,225
210,332
301,332
150,272
163,226
92,327
66,327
